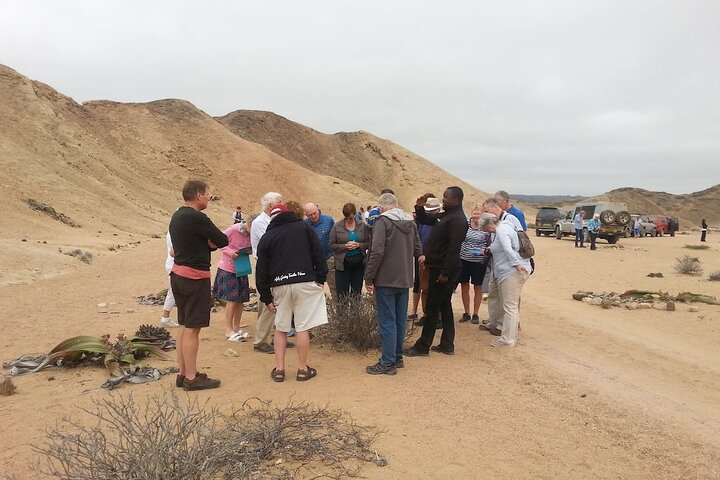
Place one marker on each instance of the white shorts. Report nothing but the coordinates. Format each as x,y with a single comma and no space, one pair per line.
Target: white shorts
303,301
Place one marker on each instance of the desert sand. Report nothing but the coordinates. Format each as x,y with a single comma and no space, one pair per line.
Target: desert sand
587,393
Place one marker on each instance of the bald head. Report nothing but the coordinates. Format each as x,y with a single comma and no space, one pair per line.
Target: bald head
312,212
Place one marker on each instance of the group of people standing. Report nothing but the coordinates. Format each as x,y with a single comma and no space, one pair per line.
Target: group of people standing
299,249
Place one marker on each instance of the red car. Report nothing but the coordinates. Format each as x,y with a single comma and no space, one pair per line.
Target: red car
661,224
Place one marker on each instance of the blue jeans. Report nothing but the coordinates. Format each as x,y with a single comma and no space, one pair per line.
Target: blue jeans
579,237
391,304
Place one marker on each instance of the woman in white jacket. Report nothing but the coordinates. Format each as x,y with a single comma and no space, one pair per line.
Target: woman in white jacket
510,272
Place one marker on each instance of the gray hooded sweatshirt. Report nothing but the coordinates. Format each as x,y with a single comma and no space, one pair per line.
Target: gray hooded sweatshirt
395,241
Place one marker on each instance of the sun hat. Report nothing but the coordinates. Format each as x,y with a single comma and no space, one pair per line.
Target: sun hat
432,204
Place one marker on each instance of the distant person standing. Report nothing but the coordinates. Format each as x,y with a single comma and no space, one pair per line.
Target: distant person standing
578,224
265,317
703,230
169,298
637,227
322,226
594,230
193,237
503,198
238,215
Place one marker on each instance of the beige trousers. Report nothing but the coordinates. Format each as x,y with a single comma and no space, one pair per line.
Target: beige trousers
331,275
504,305
264,324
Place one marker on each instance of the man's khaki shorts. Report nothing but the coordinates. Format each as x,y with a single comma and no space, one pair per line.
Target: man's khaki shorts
303,302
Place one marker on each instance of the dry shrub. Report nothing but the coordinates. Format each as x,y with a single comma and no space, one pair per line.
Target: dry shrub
688,265
697,247
7,387
165,438
352,322
714,276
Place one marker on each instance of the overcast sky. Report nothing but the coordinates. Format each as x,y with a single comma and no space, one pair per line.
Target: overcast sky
534,97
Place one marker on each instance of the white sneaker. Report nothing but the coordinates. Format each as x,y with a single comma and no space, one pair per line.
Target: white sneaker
499,342
169,322
240,336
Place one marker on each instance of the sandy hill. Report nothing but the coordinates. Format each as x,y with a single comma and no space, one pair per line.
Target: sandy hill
360,158
115,170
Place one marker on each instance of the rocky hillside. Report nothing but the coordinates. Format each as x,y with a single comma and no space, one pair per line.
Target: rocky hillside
113,171
360,158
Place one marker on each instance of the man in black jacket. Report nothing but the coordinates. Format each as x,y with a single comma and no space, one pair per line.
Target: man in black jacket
291,272
443,262
193,237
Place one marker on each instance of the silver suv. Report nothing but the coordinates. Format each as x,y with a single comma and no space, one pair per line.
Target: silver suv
614,217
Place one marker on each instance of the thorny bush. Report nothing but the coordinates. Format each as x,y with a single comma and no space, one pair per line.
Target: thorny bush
167,437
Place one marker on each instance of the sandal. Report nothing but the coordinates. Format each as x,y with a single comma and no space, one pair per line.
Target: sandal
277,375
305,375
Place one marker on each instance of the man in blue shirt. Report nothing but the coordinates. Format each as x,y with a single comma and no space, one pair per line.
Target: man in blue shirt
503,198
322,225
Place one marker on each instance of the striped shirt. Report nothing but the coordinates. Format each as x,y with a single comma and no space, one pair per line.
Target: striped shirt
473,247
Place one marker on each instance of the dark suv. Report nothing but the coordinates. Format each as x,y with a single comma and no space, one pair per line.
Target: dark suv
546,218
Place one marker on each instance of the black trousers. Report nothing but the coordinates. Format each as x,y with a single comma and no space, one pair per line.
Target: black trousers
349,280
439,305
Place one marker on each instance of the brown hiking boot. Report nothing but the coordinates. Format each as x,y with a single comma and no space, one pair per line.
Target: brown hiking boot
200,382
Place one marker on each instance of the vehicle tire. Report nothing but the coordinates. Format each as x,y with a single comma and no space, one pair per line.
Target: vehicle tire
613,240
537,232
660,233
623,217
607,217
558,233
626,232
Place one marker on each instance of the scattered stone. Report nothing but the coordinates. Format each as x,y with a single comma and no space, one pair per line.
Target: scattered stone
606,303
102,305
51,378
583,395
632,306
579,295
129,310
645,306
693,309
670,306
24,240
655,275
153,298
659,306
230,353
596,301
7,387
587,299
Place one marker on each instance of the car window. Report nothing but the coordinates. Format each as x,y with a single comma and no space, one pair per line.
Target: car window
549,214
